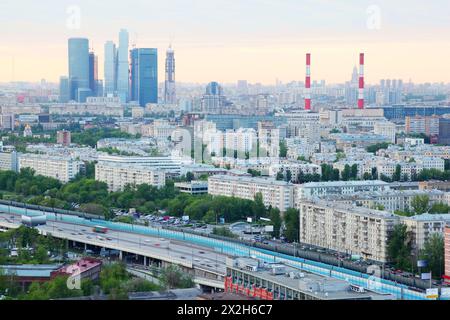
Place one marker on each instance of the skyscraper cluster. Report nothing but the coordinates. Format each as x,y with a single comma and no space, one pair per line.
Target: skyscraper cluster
131,75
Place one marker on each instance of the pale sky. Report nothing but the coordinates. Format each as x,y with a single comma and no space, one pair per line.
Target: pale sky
228,40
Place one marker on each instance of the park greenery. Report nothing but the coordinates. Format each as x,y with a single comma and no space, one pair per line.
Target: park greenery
403,257
90,137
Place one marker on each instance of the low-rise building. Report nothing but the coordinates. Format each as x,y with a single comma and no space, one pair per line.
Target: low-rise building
275,281
193,187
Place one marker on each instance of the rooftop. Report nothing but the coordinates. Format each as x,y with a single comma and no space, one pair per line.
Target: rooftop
319,286
250,180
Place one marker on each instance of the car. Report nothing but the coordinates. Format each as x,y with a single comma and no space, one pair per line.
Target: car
147,240
100,238
109,239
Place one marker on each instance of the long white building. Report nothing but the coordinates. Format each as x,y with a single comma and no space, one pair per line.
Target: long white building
278,194
119,175
323,189
61,168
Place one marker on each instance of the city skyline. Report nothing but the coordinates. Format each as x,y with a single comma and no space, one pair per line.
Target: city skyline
399,40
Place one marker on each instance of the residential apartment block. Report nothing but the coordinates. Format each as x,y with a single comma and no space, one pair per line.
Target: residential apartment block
278,194
61,168
119,175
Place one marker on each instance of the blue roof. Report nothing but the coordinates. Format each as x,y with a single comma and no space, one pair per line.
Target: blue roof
30,270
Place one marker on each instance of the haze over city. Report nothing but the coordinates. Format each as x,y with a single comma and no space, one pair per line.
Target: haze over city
257,40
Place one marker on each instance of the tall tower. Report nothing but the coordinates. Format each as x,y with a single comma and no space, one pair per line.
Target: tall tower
144,75
122,66
78,67
308,82
361,82
93,73
110,71
169,88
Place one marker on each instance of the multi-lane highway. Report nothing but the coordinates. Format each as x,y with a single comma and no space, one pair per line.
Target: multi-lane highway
192,251
173,251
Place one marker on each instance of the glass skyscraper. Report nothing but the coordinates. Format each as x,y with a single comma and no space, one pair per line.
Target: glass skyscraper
78,67
93,73
110,68
144,76
122,66
64,90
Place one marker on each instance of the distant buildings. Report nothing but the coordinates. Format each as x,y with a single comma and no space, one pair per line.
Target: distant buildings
144,76
79,69
428,125
64,89
444,131
123,67
110,69
169,85
63,137
213,100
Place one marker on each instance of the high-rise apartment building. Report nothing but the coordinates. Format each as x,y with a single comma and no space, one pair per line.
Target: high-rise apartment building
144,75
79,68
428,125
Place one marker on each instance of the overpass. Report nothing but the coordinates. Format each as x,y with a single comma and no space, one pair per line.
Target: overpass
221,248
206,266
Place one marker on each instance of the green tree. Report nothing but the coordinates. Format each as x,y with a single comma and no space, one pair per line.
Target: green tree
292,223
172,277
397,174
399,247
420,204
259,209
433,252
283,149
275,218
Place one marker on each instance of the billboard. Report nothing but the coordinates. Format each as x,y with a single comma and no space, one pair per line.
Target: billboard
185,218
426,276
421,263
445,293
249,220
268,228
432,293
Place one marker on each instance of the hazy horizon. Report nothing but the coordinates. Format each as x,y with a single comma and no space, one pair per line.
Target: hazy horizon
220,40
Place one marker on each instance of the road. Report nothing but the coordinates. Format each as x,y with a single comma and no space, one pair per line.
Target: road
199,257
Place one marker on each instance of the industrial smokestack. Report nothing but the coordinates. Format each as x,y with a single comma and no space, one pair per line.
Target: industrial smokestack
361,82
308,82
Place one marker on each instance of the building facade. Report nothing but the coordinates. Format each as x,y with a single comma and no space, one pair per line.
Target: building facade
117,176
278,194
60,168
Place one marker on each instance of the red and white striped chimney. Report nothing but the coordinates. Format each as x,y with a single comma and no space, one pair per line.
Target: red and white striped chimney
308,82
361,82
